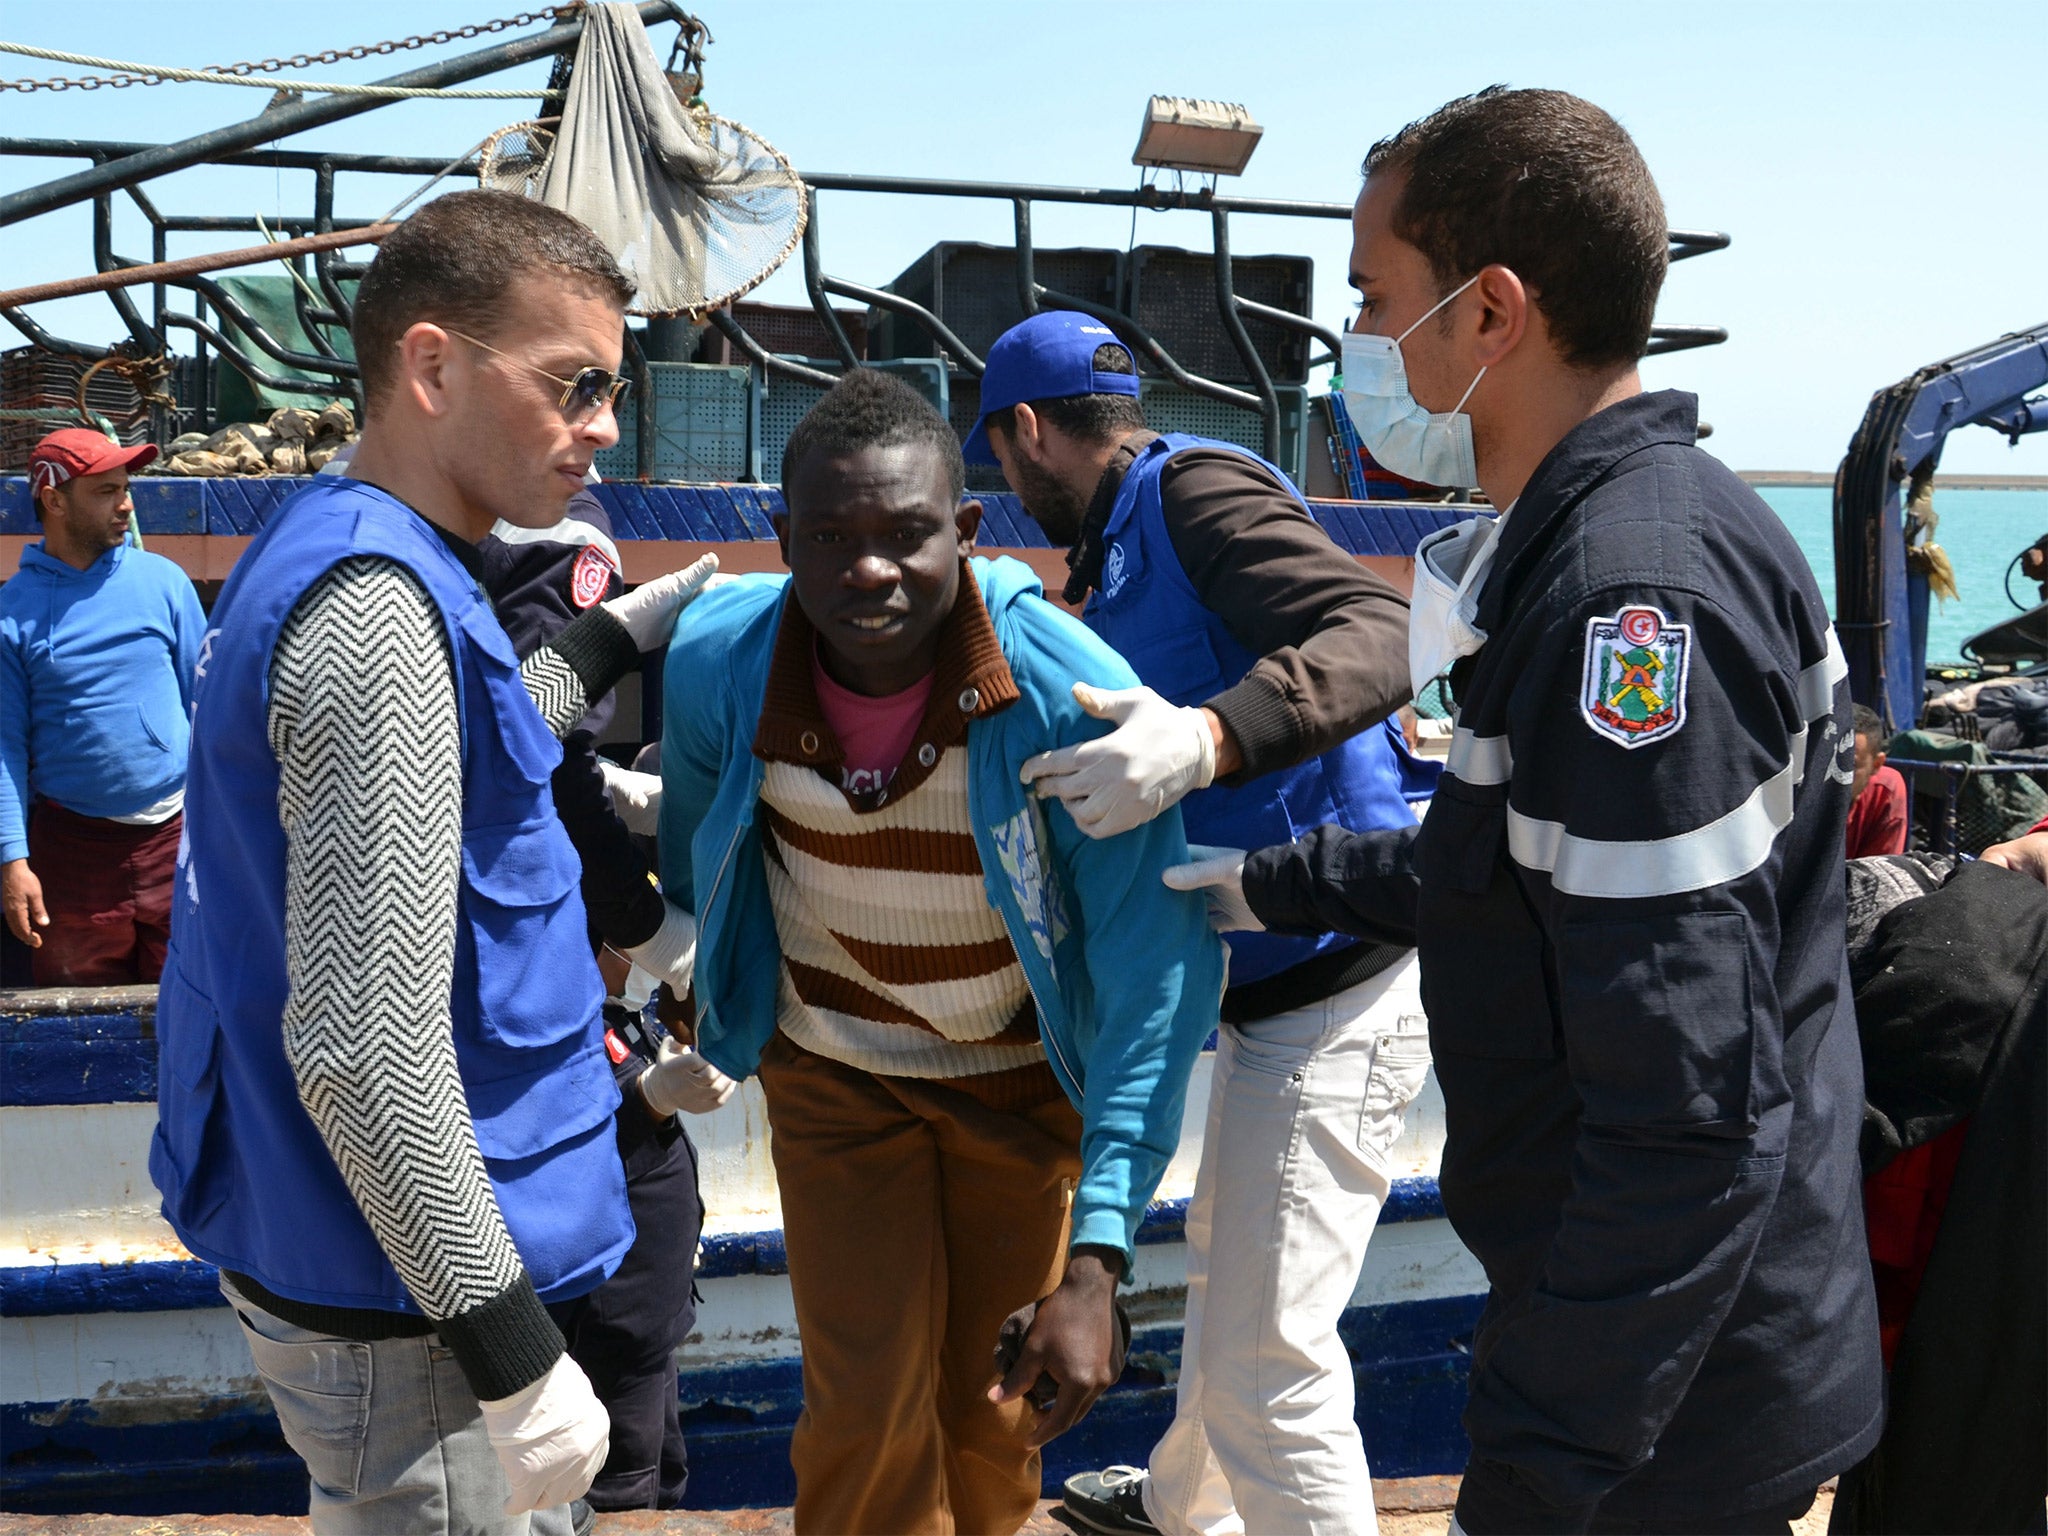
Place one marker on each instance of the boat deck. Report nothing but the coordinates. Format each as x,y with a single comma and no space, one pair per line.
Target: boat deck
1408,1506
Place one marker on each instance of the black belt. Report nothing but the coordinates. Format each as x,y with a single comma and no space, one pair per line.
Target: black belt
1320,976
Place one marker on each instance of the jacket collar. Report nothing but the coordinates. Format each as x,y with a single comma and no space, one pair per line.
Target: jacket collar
1584,456
971,681
1084,560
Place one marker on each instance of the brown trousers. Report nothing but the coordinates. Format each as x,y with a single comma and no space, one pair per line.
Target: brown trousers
916,1219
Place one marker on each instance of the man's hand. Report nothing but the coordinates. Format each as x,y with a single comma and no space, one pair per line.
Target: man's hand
1157,753
21,897
635,797
649,611
551,1437
1072,1339
2025,855
682,1082
1217,873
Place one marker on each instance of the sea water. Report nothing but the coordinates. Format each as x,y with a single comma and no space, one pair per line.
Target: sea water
1981,530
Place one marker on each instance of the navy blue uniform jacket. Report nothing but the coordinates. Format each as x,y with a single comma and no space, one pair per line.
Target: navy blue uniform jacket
1628,899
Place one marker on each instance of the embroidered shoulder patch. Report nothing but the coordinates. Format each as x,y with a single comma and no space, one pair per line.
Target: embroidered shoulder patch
1633,690
590,576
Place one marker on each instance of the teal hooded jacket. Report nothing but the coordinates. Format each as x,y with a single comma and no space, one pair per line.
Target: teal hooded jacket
1126,973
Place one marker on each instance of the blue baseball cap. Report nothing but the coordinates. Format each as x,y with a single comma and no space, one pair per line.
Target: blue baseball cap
1048,357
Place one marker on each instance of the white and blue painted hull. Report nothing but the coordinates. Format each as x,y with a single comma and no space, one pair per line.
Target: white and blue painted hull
125,1386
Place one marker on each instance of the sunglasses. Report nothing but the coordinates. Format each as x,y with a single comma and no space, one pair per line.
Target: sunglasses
581,396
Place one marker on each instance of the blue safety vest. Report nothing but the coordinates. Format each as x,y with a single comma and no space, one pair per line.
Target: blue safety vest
247,1181
1146,607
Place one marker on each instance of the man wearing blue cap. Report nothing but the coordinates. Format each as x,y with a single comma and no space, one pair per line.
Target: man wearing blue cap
1271,666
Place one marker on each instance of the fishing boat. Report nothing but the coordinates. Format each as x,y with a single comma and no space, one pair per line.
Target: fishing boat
124,1383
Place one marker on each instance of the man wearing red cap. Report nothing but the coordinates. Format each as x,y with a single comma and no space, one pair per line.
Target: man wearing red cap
98,642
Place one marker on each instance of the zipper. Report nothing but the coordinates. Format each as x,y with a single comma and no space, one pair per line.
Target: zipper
1046,1034
704,1002
1007,904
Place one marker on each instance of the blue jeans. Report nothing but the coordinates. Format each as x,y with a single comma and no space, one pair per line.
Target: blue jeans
389,1430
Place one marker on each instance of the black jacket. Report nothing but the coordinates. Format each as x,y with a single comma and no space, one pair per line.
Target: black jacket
1628,901
539,580
1952,999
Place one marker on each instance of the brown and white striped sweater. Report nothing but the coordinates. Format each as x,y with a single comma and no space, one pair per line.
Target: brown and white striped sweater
894,960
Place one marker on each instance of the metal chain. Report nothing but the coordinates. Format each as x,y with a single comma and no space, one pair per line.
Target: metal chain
431,39
303,60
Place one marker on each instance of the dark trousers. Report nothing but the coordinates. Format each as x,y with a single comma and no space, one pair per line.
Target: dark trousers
1772,1520
626,1332
107,887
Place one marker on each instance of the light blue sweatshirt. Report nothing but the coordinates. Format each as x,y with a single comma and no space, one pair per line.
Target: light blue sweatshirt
96,674
1126,974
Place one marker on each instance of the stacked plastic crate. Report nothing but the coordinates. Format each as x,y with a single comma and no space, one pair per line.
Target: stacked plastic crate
32,380
1171,293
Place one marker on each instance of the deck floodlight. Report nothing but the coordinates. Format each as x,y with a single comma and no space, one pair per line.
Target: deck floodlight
1181,134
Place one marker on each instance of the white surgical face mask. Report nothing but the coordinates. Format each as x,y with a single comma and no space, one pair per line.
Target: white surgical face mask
1396,430
1450,568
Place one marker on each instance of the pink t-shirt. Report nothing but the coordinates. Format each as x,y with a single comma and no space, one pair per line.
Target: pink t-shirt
874,733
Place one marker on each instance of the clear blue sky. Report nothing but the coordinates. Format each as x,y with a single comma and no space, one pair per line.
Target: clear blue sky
1877,163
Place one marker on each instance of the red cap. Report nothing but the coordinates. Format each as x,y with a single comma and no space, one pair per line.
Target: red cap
76,451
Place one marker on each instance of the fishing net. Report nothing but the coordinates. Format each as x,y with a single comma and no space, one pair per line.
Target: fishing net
697,209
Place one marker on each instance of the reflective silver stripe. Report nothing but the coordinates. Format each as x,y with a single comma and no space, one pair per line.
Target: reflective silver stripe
1479,759
1816,689
1723,850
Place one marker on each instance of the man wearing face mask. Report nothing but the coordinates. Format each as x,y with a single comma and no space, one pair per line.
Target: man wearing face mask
1272,663
1627,896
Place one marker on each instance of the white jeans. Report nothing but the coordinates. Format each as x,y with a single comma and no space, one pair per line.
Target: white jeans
1303,1108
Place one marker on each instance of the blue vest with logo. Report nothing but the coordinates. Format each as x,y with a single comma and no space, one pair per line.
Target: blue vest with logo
247,1181
1146,607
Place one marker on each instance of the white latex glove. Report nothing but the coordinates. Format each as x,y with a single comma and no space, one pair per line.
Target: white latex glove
635,797
639,987
1157,753
1219,874
684,1081
671,955
649,610
551,1437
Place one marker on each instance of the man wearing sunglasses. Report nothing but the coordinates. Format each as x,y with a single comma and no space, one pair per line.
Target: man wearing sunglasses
385,1104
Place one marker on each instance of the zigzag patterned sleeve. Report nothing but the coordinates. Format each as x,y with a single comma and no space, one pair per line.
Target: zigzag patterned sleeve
363,721
578,666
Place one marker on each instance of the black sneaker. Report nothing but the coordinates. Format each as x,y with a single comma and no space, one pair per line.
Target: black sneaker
1111,1501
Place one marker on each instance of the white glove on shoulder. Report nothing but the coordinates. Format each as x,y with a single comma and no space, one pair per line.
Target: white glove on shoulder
635,797
649,611
1157,753
551,1436
682,1081
1219,874
671,954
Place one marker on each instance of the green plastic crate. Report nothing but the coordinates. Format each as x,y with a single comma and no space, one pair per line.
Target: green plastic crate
703,426
1170,408
783,402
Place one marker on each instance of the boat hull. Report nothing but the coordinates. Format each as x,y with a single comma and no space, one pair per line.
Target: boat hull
125,1386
